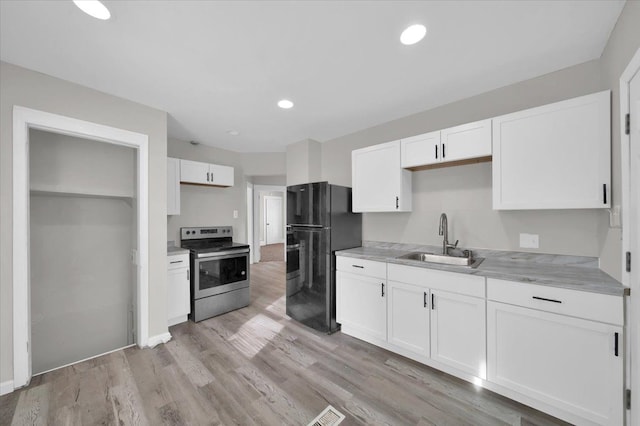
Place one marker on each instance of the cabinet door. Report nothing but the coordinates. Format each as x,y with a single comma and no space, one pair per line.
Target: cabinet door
421,150
361,304
563,361
458,332
379,183
471,140
194,172
173,186
178,303
556,156
220,175
408,311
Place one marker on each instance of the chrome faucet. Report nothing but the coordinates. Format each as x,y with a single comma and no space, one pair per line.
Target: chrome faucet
445,233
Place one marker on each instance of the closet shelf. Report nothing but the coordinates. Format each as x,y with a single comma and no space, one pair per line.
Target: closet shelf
78,192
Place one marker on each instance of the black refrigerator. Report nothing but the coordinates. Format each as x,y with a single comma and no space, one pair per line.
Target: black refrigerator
319,222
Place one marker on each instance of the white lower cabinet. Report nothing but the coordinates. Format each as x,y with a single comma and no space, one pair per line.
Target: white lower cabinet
361,304
408,317
458,332
567,362
178,289
555,349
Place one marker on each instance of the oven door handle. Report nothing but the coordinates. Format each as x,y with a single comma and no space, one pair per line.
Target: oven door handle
293,247
225,253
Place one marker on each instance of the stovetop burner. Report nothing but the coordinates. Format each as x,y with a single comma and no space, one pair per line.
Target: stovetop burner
209,239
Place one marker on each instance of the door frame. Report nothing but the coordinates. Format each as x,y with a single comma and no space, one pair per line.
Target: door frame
25,119
633,303
281,200
256,215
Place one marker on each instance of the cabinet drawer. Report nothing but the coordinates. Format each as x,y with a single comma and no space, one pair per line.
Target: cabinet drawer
581,304
470,285
178,261
365,267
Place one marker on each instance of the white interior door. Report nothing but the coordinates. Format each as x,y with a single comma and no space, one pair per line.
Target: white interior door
634,240
274,227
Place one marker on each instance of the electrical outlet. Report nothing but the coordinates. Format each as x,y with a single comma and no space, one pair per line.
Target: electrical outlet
235,214
529,241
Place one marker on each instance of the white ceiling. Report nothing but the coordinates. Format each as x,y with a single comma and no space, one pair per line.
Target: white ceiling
220,66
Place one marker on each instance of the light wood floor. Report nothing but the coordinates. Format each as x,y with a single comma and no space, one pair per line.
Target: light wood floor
255,366
272,252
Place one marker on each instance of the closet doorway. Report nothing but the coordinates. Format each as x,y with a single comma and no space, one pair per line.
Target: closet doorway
82,234
80,241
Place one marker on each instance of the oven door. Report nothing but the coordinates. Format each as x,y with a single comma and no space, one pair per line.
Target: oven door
219,273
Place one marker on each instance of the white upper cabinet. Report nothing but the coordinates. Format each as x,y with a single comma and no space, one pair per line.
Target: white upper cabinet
173,186
195,172
379,182
421,150
557,156
464,142
221,175
471,140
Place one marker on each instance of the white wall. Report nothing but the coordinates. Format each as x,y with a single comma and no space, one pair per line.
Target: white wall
209,206
19,86
464,192
64,163
304,162
264,164
81,286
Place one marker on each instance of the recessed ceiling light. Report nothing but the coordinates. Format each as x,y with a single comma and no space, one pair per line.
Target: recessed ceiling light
285,104
233,132
94,8
413,34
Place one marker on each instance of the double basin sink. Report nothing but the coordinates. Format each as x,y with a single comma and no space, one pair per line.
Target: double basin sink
461,258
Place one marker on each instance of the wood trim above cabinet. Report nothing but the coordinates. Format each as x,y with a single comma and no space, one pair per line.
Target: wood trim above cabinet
451,164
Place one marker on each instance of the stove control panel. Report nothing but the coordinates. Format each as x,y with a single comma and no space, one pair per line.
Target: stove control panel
207,232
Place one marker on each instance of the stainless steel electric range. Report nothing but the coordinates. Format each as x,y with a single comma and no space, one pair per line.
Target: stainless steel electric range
220,271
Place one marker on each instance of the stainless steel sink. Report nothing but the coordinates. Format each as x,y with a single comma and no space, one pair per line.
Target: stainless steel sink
468,260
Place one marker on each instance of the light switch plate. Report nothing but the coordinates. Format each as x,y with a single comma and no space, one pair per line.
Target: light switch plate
235,214
529,241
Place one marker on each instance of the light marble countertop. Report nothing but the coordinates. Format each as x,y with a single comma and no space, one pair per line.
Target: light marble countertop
173,250
571,272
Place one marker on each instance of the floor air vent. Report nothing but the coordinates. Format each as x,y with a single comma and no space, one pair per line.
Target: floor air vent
329,417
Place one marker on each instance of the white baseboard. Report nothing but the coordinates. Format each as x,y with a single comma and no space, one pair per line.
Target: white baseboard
177,320
160,338
6,387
